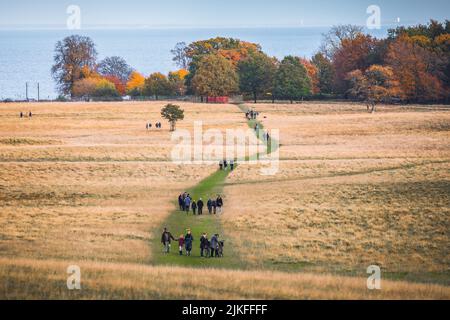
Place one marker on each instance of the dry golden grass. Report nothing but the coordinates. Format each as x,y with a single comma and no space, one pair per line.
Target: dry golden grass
359,189
86,184
35,279
86,181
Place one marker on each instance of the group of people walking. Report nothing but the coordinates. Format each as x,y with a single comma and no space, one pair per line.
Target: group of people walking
186,203
224,164
22,115
208,248
149,125
251,115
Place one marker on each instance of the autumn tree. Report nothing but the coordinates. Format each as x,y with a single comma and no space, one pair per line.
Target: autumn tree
173,114
177,81
135,84
257,74
234,50
118,84
84,88
332,40
72,54
157,85
105,90
325,73
115,67
313,75
215,77
410,63
354,54
377,84
291,80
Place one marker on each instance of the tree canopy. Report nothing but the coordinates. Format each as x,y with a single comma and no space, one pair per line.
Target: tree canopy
72,54
291,80
215,77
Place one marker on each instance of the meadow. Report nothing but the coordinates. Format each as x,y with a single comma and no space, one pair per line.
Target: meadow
87,184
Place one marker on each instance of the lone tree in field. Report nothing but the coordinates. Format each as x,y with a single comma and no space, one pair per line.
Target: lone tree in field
375,85
173,114
292,81
256,74
72,55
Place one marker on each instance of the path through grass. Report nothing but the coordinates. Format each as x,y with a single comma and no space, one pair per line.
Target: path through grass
178,222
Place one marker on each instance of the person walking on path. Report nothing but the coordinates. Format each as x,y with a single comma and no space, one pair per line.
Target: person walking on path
181,202
194,207
221,165
214,245
219,203
187,204
214,206
231,165
209,205
200,205
188,240
181,244
166,239
203,240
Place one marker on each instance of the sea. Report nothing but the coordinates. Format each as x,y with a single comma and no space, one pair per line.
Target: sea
26,56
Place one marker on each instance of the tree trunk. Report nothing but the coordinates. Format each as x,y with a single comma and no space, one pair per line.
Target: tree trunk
255,96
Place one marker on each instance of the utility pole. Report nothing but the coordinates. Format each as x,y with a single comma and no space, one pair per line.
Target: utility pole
38,92
26,91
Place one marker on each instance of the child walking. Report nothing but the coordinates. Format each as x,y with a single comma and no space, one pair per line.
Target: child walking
181,244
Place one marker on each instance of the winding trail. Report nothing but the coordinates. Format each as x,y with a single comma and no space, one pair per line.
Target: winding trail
177,222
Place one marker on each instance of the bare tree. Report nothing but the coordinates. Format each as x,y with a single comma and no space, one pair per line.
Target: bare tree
116,67
72,54
180,56
331,40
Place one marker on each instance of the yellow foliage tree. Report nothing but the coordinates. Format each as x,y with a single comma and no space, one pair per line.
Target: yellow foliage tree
136,83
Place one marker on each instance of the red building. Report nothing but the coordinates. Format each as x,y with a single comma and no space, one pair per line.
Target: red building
217,99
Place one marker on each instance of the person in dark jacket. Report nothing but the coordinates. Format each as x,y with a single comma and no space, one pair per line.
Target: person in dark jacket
209,205
214,206
215,245
200,205
219,203
188,240
194,207
166,239
203,240
181,202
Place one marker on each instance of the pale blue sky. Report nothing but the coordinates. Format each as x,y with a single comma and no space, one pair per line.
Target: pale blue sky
219,13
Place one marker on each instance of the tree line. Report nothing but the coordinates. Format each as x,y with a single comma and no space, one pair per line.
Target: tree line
411,65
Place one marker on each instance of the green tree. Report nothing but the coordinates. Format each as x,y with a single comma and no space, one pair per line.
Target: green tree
215,77
157,85
291,80
256,74
173,114
72,55
325,73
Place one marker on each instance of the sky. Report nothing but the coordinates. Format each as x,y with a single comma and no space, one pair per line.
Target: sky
216,13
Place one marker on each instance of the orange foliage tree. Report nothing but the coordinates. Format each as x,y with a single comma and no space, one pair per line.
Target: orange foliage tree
411,64
354,54
313,74
135,84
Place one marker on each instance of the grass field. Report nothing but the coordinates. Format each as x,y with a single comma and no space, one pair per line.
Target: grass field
86,184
